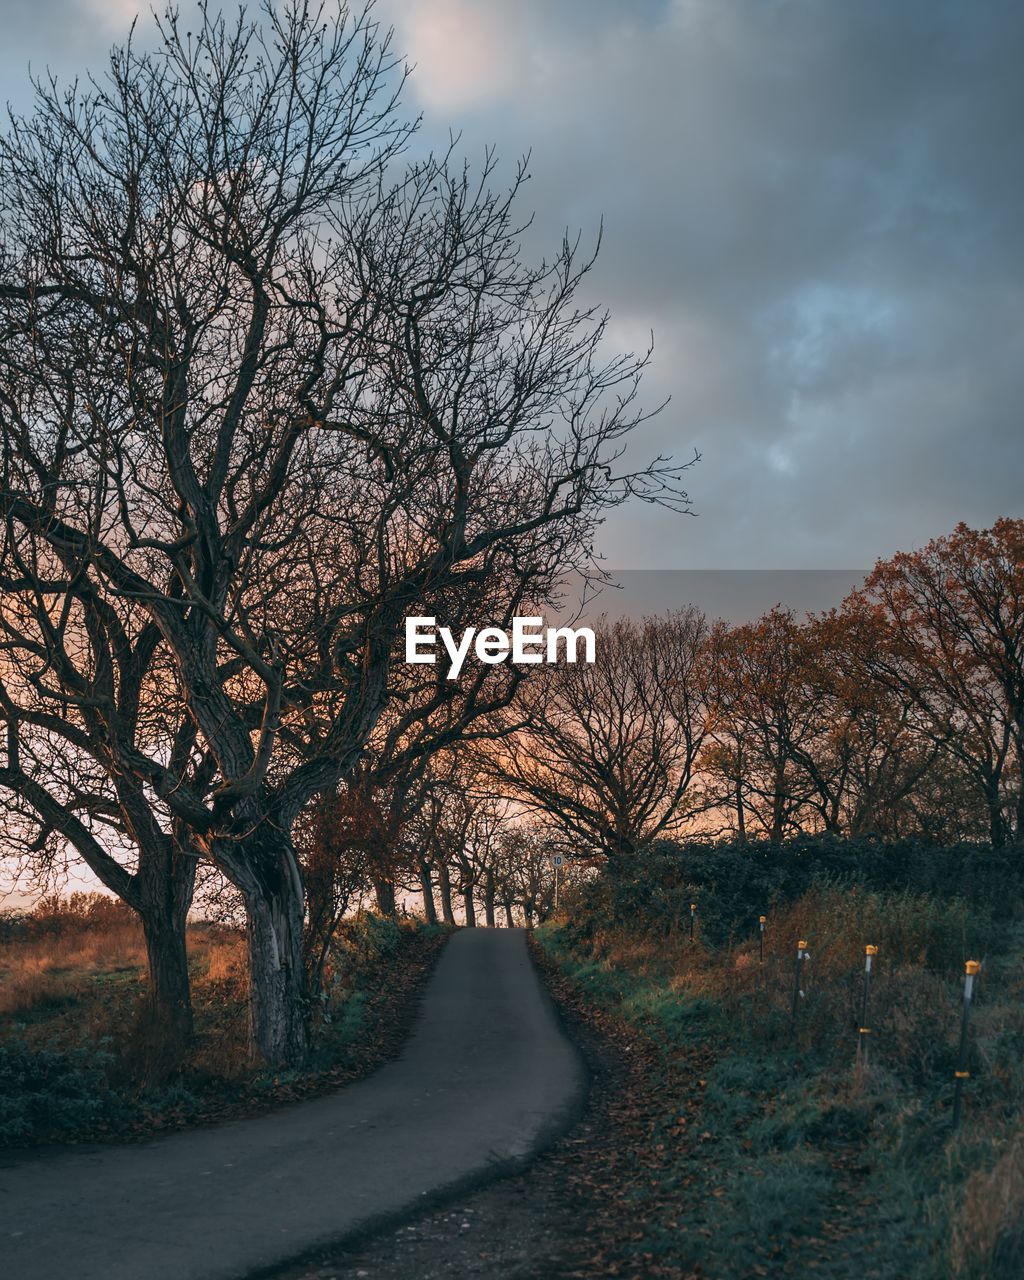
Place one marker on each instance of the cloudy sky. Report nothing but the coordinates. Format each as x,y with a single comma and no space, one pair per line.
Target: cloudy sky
816,205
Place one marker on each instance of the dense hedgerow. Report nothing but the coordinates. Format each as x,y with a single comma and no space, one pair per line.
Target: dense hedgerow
733,883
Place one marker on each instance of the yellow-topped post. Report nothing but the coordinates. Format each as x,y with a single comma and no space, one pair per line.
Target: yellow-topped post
863,1031
971,970
802,954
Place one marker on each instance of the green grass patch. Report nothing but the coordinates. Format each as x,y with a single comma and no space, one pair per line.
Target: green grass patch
69,1052
785,1156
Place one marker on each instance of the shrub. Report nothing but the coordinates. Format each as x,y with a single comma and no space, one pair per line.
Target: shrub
373,938
733,883
79,913
45,1094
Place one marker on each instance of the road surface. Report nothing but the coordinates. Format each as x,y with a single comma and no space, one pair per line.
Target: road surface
486,1078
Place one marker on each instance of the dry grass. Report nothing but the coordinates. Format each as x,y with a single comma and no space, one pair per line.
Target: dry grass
104,949
73,972
51,945
30,988
73,975
219,986
48,959
988,1221
222,955
973,1193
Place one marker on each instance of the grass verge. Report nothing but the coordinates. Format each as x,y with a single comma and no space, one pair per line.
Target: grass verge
743,1146
70,1048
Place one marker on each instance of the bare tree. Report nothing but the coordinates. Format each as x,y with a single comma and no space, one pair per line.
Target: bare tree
80,687
610,749
260,400
877,764
387,809
770,729
529,847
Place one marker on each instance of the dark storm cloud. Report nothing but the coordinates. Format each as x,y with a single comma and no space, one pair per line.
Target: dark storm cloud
817,206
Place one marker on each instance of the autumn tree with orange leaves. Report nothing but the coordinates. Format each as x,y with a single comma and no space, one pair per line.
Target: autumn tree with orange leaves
951,641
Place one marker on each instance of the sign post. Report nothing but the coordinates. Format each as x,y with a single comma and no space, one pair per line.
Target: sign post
802,954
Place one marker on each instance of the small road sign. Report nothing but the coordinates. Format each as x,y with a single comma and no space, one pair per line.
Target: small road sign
557,860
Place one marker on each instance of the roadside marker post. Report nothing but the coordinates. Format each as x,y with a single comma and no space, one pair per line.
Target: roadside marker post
864,1030
761,920
971,969
802,954
693,917
556,861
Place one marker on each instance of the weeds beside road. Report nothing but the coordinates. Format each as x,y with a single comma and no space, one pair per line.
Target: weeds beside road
749,1147
71,1045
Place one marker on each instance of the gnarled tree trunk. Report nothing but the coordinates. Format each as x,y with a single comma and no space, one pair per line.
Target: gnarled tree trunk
164,1028
278,1030
160,893
168,1001
490,893
384,892
265,869
469,906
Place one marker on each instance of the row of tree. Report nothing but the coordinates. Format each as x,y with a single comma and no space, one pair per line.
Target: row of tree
267,386
899,714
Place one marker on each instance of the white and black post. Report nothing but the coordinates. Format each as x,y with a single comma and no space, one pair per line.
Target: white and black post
971,969
864,1030
556,862
802,954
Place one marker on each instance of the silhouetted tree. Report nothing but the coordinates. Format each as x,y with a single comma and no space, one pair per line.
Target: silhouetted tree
609,751
953,621
262,395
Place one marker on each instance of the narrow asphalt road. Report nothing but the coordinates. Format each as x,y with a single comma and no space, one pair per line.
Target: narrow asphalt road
486,1078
